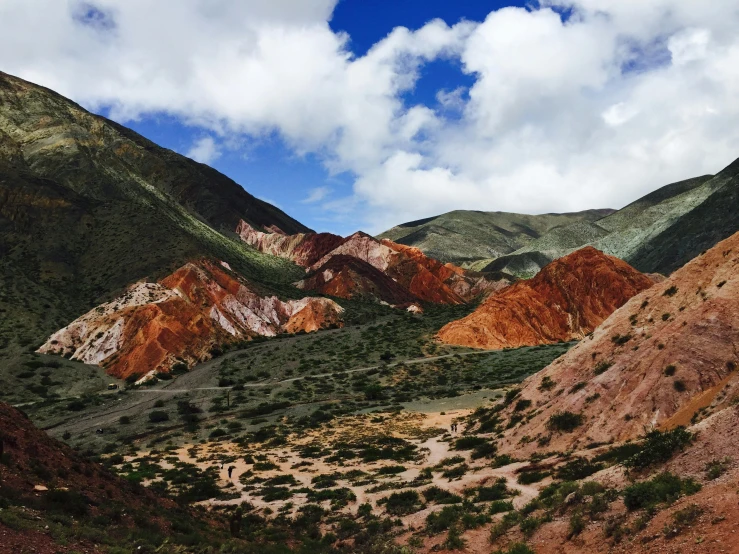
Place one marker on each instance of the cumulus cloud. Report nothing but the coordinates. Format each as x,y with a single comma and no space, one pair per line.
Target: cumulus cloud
204,151
564,113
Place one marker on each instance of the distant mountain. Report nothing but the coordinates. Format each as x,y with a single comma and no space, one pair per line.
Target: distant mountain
656,234
566,300
360,266
464,236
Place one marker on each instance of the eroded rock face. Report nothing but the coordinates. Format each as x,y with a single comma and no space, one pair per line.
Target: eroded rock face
565,301
349,277
182,318
377,265
667,354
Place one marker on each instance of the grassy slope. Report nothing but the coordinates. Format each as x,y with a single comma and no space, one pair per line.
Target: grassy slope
657,233
461,236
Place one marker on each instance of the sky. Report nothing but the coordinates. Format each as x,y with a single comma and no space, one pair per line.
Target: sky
363,114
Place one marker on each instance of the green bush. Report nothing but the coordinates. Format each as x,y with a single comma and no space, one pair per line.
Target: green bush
516,548
577,468
158,416
402,503
665,487
528,477
659,447
469,442
438,495
564,422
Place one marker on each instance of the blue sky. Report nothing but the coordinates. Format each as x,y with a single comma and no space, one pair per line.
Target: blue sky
269,169
363,114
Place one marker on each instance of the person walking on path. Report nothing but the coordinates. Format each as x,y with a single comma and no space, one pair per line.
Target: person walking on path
230,471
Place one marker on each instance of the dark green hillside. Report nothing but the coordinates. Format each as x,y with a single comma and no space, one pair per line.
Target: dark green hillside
698,230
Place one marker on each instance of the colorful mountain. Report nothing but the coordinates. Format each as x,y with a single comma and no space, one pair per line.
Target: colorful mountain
567,300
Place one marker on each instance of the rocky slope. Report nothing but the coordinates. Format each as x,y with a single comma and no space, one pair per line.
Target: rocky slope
667,357
328,257
182,319
657,234
88,207
565,301
463,236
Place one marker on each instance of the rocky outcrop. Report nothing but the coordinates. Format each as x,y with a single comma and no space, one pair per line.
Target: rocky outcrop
182,318
349,277
305,249
421,278
665,358
565,301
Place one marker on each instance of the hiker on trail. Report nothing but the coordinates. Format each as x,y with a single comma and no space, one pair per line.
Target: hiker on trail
230,471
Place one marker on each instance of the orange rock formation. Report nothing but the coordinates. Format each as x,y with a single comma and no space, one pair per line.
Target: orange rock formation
565,301
183,318
327,257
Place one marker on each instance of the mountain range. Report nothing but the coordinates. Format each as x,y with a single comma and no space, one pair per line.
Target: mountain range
464,237
474,380
656,234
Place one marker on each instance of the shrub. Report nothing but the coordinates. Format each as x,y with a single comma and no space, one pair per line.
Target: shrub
602,367
578,468
620,340
522,405
391,470
670,370
659,447
469,442
76,406
679,385
124,420
486,450
664,487
500,506
438,495
546,384
564,422
516,548
158,416
716,468
672,291
577,525
528,477
455,472
682,519
497,491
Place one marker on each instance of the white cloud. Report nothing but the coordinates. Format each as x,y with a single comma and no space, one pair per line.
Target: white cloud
624,96
316,195
204,151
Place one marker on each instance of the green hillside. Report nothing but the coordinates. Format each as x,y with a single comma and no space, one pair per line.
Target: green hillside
88,207
658,233
465,236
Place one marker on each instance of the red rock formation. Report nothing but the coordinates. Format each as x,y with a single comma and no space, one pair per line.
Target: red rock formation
349,277
304,249
565,301
200,306
423,278
667,355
